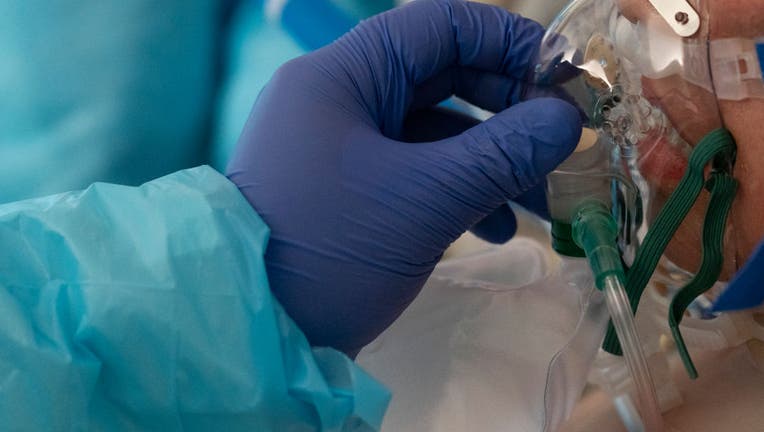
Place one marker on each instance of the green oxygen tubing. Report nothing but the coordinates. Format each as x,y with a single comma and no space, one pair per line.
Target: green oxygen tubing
595,231
581,205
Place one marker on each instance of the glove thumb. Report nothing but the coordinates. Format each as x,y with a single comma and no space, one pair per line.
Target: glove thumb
514,150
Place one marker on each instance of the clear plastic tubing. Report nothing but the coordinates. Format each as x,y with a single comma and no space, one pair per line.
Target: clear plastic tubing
623,321
595,231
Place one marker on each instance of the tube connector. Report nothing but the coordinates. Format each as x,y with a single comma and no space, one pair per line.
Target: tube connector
595,231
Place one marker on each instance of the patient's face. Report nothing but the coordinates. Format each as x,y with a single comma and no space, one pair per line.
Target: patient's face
688,109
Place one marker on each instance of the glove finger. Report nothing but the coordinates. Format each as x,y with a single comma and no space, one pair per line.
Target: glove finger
426,37
501,225
434,124
498,227
456,32
390,54
514,150
534,200
487,90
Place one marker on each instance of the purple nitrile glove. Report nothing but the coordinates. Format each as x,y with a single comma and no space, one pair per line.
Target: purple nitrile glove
358,216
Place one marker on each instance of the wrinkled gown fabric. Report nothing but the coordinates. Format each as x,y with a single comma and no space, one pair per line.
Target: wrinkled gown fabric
148,308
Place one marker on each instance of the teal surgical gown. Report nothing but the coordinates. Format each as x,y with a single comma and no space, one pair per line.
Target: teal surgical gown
148,308
126,91
94,90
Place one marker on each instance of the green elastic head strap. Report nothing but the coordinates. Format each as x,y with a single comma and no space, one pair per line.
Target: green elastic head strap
717,146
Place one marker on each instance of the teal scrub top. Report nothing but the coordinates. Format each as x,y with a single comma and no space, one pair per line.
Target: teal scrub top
148,308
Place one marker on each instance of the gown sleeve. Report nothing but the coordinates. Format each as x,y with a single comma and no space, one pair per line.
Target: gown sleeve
148,308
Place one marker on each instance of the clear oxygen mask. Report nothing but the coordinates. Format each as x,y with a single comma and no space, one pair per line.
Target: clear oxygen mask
654,154
644,88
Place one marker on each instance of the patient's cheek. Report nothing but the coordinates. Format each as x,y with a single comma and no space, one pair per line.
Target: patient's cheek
745,119
633,9
663,165
736,18
744,19
692,110
685,248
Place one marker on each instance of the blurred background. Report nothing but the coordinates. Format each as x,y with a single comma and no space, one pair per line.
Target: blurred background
128,91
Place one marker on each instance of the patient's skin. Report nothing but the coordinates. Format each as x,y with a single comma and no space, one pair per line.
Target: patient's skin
728,19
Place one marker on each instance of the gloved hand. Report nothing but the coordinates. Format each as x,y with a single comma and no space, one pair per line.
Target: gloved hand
745,289
358,217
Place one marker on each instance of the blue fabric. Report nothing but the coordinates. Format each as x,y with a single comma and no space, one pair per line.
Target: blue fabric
359,216
746,289
148,308
315,23
113,88
103,91
361,9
